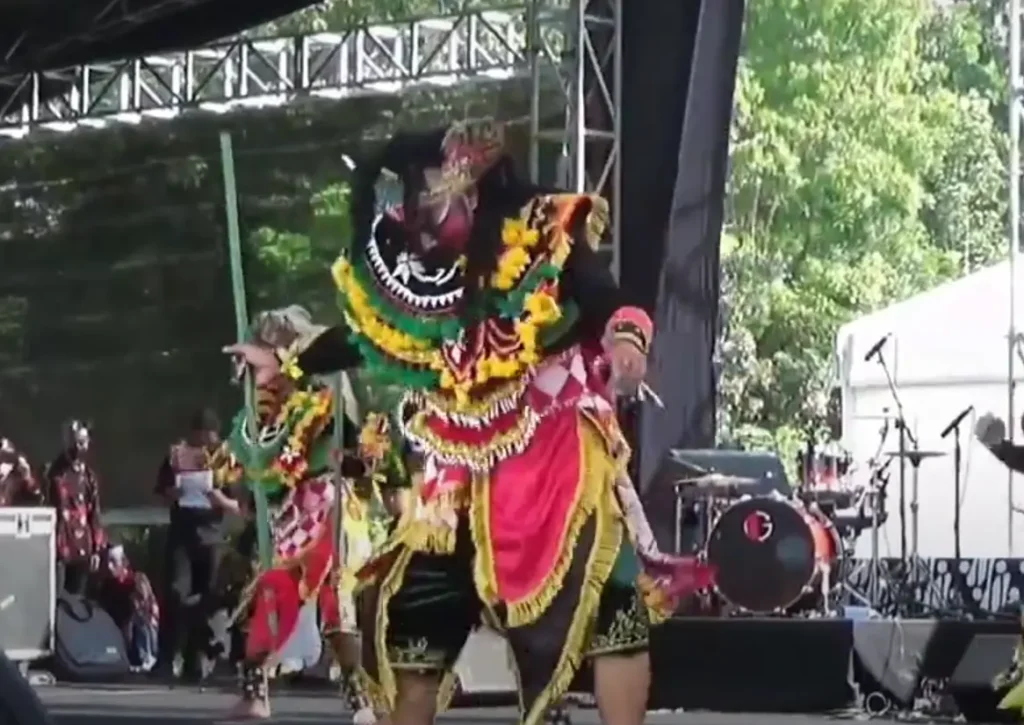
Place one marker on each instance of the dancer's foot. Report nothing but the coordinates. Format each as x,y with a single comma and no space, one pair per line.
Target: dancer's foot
250,709
365,716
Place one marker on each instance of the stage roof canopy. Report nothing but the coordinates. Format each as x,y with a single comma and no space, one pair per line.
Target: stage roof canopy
50,35
952,334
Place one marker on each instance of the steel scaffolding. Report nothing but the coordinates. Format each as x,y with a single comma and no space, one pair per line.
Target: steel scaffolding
243,72
574,46
1014,337
578,44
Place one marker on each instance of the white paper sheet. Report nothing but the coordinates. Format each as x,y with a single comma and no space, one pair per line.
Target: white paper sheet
194,486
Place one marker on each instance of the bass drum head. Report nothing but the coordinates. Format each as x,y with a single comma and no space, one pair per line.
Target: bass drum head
763,550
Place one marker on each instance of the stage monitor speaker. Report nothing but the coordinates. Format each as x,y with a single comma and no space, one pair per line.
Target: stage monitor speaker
27,582
971,682
888,661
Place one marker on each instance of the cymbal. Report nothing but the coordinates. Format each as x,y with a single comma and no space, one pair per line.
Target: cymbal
713,480
915,454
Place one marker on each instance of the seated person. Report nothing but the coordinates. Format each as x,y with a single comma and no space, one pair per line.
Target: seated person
127,596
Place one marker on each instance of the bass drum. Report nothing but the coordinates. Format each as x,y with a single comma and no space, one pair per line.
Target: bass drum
769,553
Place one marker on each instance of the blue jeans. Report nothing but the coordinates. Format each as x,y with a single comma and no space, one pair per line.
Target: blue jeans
142,642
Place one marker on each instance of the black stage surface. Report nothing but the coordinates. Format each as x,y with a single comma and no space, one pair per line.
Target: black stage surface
83,706
699,664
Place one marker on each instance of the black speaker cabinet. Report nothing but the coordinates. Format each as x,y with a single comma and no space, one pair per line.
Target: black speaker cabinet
971,683
27,582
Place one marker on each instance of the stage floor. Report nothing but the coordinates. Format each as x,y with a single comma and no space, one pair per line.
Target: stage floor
187,706
701,666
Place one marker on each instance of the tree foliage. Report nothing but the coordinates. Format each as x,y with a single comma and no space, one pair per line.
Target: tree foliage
867,166
336,15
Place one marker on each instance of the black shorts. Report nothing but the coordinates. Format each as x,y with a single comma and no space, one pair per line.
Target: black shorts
436,607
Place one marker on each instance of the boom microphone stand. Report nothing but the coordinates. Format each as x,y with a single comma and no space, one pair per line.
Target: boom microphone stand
954,426
904,433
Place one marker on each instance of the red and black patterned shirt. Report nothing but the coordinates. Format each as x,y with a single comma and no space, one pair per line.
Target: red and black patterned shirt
74,493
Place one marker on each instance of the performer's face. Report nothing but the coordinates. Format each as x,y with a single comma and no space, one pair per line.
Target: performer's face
82,440
205,439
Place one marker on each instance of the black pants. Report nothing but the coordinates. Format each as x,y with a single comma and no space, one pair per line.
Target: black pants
75,576
191,567
436,607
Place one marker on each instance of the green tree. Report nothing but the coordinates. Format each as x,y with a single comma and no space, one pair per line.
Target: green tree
337,15
867,166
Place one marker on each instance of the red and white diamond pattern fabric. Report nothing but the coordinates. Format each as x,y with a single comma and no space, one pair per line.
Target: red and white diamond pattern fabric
574,378
304,517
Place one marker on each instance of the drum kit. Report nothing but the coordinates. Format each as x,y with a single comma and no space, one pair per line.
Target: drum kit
779,554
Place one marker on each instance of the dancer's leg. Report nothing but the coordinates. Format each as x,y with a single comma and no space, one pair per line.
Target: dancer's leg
343,638
275,610
254,702
622,666
621,684
431,606
416,701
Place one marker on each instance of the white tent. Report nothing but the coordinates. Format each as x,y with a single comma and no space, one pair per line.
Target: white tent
947,349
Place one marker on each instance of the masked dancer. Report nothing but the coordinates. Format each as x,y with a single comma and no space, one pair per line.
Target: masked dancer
289,457
483,296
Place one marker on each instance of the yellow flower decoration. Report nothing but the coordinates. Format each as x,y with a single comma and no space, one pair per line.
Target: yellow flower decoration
514,261
542,308
516,233
290,367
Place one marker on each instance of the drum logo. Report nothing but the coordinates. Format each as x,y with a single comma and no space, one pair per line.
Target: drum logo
758,526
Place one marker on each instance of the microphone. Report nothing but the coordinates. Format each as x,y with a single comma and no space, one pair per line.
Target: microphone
956,421
877,346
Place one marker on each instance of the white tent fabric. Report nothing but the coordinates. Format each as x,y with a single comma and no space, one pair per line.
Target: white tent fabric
946,349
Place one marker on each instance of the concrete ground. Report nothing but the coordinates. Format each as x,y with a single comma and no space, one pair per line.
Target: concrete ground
187,706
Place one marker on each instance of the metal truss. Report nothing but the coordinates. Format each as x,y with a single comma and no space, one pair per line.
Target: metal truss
1014,337
579,42
105,18
375,59
572,45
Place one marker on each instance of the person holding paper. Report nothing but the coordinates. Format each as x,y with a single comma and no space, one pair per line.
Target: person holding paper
195,537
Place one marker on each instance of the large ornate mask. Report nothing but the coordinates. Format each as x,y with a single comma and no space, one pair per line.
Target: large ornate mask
417,257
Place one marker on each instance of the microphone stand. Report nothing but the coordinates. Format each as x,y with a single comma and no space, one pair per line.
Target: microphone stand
905,435
954,428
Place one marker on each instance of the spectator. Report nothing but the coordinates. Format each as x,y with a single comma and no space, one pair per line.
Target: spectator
127,596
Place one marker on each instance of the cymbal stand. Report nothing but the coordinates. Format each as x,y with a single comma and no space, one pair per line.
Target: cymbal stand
873,495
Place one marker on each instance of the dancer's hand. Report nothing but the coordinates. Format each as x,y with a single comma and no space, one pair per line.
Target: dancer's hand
990,430
629,367
261,359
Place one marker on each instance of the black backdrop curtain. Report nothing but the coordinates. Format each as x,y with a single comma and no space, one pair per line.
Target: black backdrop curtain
679,68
